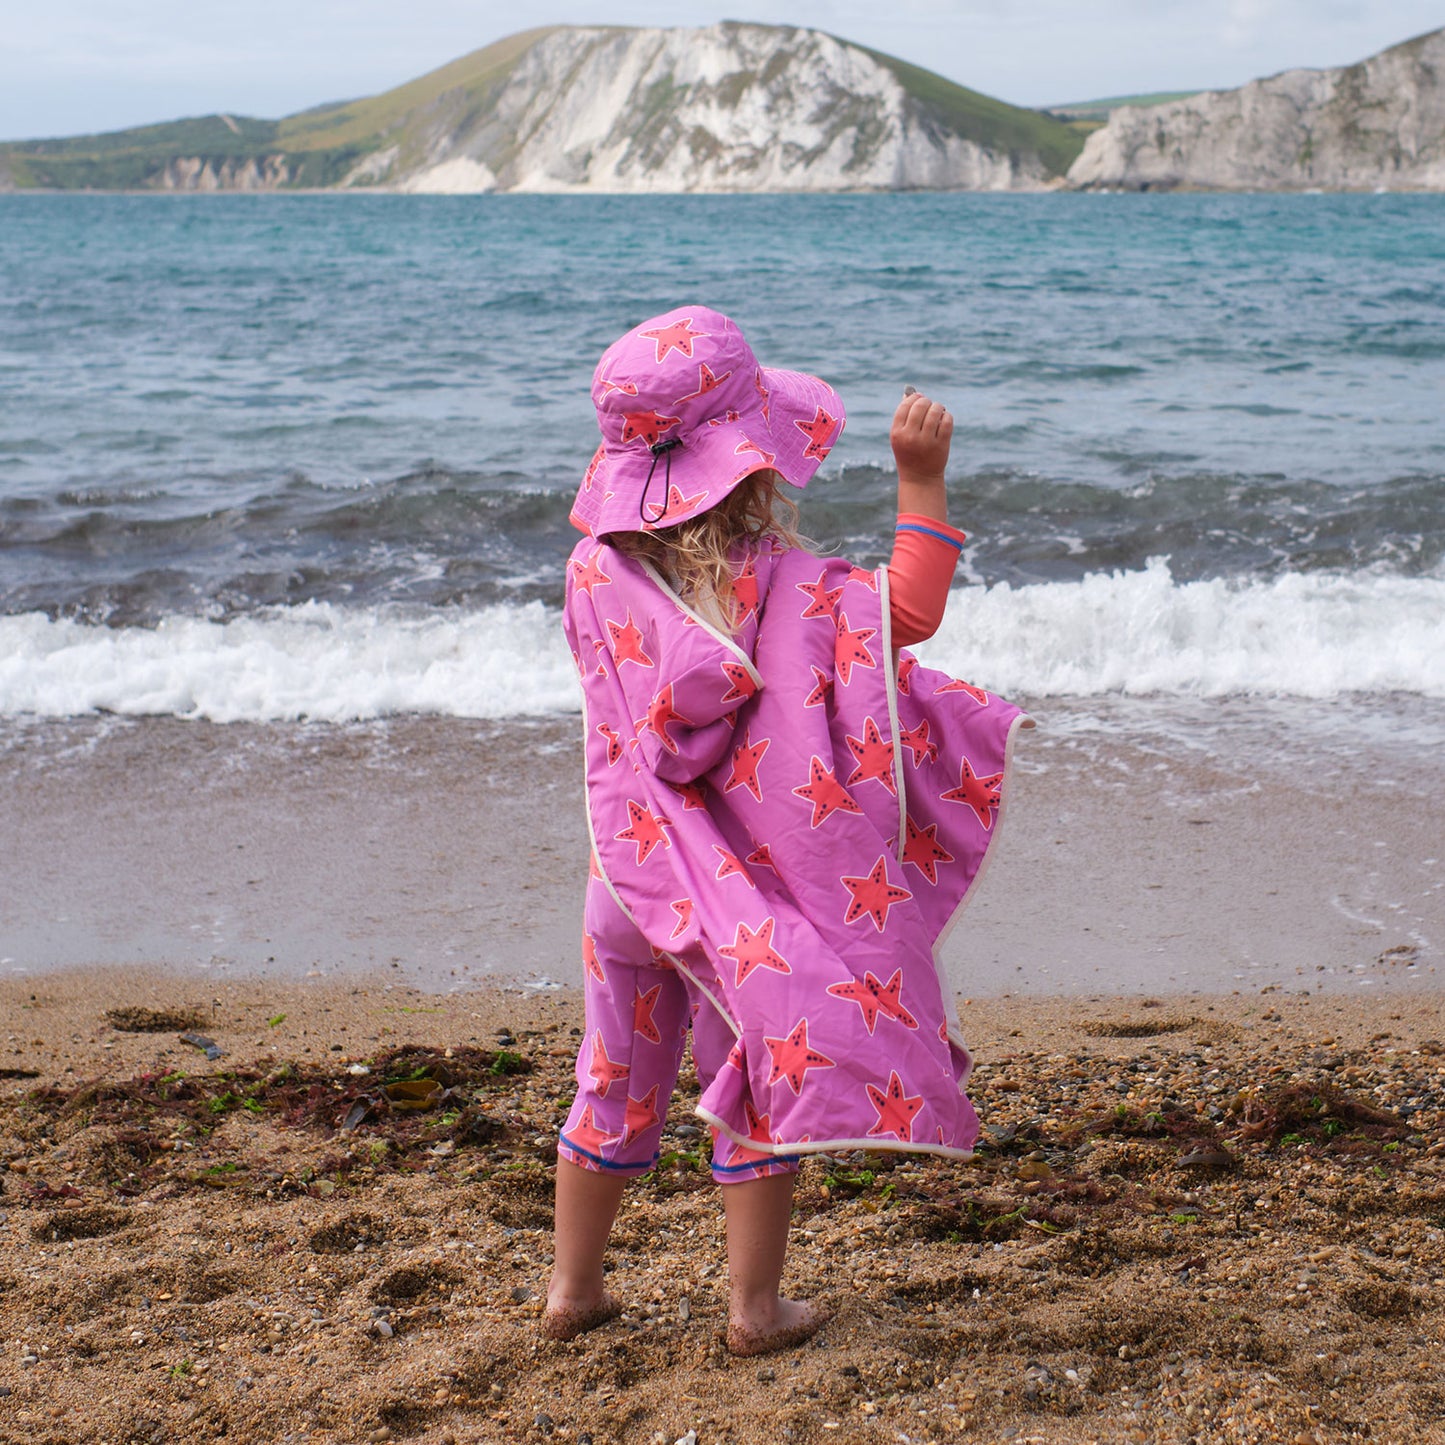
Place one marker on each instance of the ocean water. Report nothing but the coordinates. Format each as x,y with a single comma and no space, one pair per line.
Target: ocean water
267,458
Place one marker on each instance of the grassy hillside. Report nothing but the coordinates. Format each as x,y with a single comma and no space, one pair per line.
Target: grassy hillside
1099,109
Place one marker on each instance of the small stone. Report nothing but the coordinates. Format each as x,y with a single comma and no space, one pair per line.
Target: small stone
380,1434
384,1329
544,1422
521,1294
684,1309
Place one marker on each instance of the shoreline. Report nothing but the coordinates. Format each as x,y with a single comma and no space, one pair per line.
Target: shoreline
1189,1218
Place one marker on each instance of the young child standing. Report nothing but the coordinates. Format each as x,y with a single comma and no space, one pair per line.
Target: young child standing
786,811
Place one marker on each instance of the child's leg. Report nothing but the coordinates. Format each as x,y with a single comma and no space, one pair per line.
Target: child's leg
587,1201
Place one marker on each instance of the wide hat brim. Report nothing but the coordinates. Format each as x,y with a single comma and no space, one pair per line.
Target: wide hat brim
790,426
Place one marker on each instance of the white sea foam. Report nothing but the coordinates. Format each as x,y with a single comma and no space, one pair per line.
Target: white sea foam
1311,635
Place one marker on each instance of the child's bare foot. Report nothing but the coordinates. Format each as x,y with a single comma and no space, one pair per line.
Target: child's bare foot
565,1319
790,1323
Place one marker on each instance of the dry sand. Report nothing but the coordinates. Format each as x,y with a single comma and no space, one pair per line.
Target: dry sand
1203,1219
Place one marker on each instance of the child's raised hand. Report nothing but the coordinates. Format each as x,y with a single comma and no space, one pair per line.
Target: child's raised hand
921,435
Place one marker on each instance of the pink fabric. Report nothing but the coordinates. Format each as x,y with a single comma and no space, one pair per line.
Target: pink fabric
791,819
920,572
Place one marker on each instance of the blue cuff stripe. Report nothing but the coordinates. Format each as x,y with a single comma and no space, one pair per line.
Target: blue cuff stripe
929,532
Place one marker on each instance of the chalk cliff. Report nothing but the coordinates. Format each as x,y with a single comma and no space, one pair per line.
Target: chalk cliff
1378,124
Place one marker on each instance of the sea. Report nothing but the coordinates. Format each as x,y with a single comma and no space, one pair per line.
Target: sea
307,460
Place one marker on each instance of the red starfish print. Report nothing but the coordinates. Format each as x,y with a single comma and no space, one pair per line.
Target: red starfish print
874,758
728,415
627,642
589,958
677,337
675,505
730,866
850,651
745,766
586,1136
822,599
643,1005
641,1116
876,998
822,686
645,830
867,579
683,908
614,744
746,445
792,1058
693,795
740,683
924,851
873,896
906,665
825,793
627,388
646,426
589,574
706,382
980,794
745,592
820,433
976,693
762,857
752,951
604,1072
660,714
764,394
590,475
896,1111
760,1131
917,742
734,1059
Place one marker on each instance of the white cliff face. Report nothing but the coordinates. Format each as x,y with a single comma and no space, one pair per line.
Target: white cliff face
1377,124
728,108
193,173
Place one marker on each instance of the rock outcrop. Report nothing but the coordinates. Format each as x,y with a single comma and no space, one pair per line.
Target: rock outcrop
1378,124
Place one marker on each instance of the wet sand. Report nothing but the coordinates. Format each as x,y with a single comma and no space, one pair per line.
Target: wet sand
1192,1218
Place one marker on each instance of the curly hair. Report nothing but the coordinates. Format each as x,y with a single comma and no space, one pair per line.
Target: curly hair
695,555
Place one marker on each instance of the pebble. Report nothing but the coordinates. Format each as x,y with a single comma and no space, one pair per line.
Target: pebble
383,1328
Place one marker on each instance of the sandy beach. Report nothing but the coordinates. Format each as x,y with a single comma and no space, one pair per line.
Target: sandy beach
1193,1218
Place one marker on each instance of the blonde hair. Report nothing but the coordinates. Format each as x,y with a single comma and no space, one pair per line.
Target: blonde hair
694,555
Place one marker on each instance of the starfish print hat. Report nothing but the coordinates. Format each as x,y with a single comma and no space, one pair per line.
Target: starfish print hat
686,412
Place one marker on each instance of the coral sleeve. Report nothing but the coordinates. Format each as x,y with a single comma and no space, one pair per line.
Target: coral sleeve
925,552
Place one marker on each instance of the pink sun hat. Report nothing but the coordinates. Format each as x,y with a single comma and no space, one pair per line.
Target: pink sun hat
686,413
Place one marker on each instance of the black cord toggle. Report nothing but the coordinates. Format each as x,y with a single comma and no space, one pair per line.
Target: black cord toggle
658,450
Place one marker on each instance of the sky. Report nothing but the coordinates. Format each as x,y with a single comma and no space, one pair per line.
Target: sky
70,67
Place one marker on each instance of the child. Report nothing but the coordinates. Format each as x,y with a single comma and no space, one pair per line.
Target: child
786,812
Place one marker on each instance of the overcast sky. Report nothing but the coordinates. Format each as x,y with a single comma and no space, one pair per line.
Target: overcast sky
73,66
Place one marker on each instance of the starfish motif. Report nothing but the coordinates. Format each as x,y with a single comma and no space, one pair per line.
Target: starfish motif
759,1131
764,396
754,950
706,382
734,1059
627,388
660,714
730,866
822,687
590,960
674,506
762,857
603,1070
917,741
980,794
822,599
745,766
906,664
644,829
866,578
896,1111
873,756
683,908
876,998
678,336
825,793
727,416
586,1136
614,744
589,574
627,643
820,433
745,592
693,795
922,849
643,1005
646,427
873,895
792,1058
850,651
590,475
740,683
641,1116
747,445
956,685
